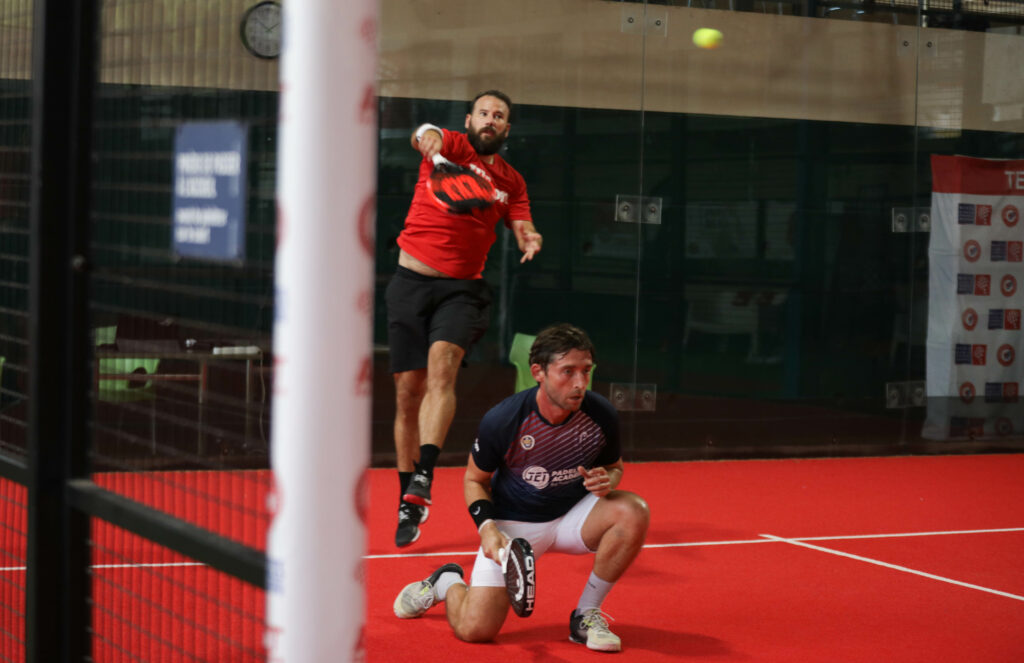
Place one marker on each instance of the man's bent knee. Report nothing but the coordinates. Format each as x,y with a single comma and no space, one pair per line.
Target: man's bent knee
477,630
627,504
480,619
631,511
638,511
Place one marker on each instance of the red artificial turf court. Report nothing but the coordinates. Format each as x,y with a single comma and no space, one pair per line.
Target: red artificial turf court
854,560
859,559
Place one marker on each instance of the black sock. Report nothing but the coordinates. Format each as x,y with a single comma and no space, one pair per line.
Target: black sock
428,456
403,481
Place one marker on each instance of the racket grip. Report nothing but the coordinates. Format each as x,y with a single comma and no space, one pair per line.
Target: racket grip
439,160
503,555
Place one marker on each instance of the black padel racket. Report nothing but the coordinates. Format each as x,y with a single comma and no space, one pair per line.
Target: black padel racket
520,569
458,189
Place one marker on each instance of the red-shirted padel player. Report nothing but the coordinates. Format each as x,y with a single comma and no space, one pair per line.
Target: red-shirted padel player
438,303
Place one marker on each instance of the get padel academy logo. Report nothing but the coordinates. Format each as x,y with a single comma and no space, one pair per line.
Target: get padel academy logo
537,476
540,478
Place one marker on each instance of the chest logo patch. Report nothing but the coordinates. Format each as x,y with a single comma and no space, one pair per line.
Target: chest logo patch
527,442
536,476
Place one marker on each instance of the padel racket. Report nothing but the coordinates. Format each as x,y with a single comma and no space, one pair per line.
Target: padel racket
520,569
458,189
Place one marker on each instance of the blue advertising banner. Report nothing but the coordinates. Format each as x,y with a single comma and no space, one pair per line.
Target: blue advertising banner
210,191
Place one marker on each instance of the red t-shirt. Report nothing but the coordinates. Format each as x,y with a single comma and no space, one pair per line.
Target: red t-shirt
457,244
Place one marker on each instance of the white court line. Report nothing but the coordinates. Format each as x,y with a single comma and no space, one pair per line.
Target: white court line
887,565
691,544
699,544
649,545
411,555
839,537
890,536
162,565
154,565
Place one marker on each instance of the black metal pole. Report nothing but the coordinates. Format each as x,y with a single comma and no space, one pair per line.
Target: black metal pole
63,79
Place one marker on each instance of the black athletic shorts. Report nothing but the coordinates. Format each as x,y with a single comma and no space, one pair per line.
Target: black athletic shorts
423,309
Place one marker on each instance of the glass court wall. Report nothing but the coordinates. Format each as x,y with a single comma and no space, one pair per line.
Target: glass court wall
738,228
158,431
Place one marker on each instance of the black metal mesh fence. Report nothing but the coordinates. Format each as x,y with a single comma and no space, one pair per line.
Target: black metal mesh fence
15,165
13,540
195,333
152,604
182,343
15,158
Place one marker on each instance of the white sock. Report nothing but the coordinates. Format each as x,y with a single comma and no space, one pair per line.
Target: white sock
594,593
444,583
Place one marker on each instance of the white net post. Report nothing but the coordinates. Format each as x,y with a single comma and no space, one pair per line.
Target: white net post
322,331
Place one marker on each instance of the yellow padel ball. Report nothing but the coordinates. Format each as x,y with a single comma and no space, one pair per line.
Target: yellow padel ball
707,38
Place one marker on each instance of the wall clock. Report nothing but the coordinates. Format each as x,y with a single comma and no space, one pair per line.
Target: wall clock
261,29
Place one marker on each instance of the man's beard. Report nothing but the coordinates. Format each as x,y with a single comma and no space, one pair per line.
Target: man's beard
485,145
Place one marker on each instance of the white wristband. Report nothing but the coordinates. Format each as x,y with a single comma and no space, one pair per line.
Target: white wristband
489,520
424,128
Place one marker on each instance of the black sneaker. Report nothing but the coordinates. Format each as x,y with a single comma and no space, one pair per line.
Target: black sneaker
591,629
416,598
418,490
409,518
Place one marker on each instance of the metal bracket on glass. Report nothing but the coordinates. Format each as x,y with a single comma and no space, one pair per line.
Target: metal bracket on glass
911,219
628,396
637,209
930,47
635,18
901,395
906,44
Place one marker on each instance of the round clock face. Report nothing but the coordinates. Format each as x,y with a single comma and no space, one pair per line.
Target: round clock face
261,29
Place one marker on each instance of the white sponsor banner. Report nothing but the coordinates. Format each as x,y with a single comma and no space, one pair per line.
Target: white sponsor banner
975,362
322,331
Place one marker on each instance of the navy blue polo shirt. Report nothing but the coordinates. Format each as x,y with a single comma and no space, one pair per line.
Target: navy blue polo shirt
534,463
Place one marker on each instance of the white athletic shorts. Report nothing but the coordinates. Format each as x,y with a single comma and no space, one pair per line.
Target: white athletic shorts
558,535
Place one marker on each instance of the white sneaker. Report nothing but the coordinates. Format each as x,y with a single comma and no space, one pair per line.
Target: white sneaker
591,629
417,597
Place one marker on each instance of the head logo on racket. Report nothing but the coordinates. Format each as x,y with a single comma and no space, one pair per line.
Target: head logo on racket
458,189
520,569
